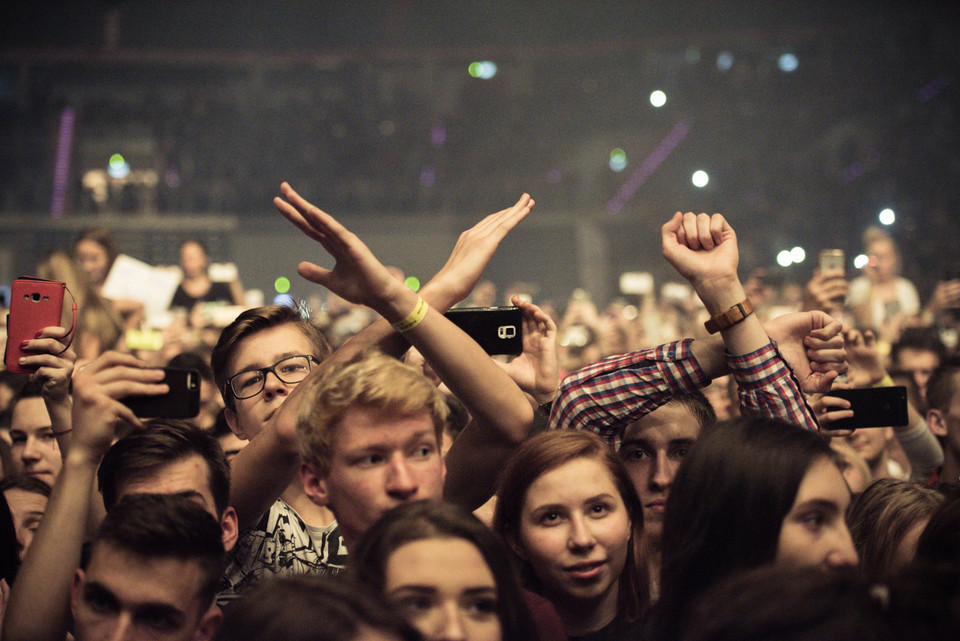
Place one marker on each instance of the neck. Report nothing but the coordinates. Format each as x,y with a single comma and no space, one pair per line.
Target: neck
310,512
582,617
951,466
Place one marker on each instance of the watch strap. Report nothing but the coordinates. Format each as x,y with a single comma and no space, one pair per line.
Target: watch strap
730,317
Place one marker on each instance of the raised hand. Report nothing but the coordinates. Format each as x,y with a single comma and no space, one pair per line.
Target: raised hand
357,275
97,390
703,249
826,291
866,364
536,371
812,343
474,249
54,362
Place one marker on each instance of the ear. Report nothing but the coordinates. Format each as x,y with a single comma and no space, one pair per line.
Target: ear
936,423
234,423
75,588
229,525
314,485
209,624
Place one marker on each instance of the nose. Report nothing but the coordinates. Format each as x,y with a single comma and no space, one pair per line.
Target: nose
844,554
401,483
450,626
123,628
273,386
31,450
581,536
662,471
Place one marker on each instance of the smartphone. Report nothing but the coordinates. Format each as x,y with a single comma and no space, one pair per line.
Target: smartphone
498,330
34,304
873,407
182,401
832,260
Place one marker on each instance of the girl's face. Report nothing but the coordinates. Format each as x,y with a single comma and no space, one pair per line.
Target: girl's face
814,532
445,589
93,259
193,260
575,532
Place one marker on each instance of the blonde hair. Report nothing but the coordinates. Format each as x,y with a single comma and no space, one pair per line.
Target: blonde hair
369,380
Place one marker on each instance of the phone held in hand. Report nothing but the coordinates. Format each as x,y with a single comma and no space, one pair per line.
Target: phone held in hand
873,407
34,304
832,260
182,401
498,330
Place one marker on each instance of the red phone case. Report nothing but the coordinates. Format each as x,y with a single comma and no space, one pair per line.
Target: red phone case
34,304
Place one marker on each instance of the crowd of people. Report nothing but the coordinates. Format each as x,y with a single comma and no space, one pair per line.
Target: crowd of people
663,468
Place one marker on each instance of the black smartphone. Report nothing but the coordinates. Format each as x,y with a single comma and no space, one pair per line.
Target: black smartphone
498,330
873,407
182,401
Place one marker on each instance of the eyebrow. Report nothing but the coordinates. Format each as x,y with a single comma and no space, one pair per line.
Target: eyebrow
559,506
253,368
632,442
818,503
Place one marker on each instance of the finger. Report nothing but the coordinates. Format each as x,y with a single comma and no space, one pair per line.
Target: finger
834,402
690,230
718,224
704,236
830,328
836,415
290,213
869,338
49,345
54,331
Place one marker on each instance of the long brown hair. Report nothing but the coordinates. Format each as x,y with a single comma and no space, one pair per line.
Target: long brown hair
546,452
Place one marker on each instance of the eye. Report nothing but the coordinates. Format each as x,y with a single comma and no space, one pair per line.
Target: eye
414,605
251,380
99,601
162,621
636,454
599,509
369,460
679,451
423,451
550,518
813,521
482,607
18,438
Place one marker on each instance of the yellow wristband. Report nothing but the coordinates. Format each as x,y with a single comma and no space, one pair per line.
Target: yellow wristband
886,381
414,318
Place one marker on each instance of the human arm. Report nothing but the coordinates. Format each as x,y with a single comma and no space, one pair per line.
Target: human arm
38,609
536,370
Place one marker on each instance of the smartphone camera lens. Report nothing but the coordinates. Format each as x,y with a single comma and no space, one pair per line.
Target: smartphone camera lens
36,297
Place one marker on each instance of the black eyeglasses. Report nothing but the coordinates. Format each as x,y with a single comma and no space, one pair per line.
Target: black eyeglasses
249,383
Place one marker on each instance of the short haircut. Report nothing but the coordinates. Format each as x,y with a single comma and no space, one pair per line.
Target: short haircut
25,483
699,406
102,237
160,526
310,608
546,452
433,519
164,441
370,380
881,516
943,385
924,339
250,322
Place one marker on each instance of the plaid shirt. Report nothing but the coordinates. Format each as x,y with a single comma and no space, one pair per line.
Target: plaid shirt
611,394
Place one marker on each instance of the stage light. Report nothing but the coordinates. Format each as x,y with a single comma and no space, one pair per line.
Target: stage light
785,258
658,98
724,61
861,261
484,70
284,299
412,282
118,167
798,255
700,178
618,160
788,62
887,217
282,285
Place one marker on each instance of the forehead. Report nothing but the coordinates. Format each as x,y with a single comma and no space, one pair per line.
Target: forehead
438,563
190,474
910,357
267,346
22,502
364,428
670,422
823,481
30,414
571,483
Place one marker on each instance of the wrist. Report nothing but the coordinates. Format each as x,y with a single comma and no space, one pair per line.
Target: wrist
719,294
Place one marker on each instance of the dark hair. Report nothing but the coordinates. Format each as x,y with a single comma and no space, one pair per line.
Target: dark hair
250,322
925,339
9,545
155,526
310,608
30,389
195,241
940,541
436,519
699,406
727,504
881,516
192,360
25,483
546,452
102,237
943,384
164,441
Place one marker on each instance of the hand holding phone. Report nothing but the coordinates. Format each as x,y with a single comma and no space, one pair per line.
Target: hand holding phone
498,330
872,407
182,401
34,305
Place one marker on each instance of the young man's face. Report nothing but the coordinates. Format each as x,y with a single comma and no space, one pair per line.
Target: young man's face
122,595
263,349
377,462
920,363
652,450
26,509
35,450
189,476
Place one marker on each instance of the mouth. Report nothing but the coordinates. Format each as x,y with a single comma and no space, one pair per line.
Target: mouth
585,571
656,506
